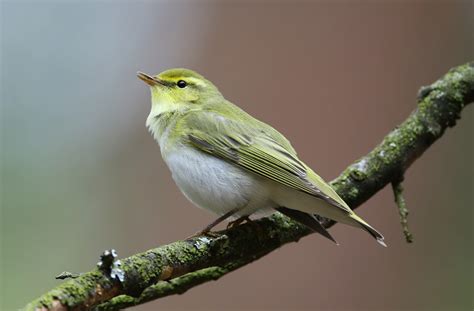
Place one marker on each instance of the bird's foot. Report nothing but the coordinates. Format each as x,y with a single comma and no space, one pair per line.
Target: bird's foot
238,221
207,233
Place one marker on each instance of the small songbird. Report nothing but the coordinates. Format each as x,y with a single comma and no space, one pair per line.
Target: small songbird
226,161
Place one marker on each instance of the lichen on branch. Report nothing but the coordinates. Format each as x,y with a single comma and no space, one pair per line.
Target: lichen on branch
179,266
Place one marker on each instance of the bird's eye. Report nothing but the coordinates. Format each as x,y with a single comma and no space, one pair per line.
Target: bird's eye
181,83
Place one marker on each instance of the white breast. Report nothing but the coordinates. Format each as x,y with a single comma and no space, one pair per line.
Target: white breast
214,184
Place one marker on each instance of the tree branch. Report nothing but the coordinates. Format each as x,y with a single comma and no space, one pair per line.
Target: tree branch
179,266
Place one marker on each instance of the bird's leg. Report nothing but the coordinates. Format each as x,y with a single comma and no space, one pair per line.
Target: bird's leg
247,219
207,229
238,221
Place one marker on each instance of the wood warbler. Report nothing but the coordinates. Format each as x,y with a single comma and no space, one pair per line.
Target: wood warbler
226,161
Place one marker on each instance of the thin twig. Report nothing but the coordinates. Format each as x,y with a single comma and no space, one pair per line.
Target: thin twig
67,275
402,209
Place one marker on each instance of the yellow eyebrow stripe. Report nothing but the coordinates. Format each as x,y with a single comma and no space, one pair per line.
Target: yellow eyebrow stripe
192,80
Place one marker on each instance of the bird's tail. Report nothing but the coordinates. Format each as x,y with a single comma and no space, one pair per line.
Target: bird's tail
377,236
308,220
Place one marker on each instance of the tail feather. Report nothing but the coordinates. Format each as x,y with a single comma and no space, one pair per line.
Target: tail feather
308,220
374,233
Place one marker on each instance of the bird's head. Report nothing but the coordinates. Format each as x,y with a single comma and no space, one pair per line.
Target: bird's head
177,89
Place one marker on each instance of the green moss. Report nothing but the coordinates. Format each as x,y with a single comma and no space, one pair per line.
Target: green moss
117,303
73,292
352,193
358,174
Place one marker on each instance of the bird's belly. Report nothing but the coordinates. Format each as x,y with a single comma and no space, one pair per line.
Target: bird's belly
214,184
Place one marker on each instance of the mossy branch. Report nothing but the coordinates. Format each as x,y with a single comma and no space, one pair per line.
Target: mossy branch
179,266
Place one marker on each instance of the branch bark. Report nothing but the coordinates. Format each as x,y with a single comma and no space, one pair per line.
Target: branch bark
176,267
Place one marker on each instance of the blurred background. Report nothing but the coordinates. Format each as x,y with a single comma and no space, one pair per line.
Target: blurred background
80,173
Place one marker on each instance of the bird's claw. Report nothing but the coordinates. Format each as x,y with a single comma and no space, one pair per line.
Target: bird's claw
238,221
211,234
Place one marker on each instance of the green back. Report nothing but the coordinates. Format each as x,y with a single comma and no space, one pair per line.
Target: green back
226,131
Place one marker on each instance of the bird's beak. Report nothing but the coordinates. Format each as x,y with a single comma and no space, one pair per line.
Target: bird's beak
148,79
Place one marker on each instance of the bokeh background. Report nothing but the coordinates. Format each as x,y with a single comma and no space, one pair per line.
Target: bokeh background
80,173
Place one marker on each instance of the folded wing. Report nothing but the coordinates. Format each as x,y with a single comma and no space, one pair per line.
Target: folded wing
261,153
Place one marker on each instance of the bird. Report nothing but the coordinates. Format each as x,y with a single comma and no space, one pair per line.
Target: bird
228,162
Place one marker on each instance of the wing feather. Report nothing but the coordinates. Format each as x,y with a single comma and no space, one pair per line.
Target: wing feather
260,153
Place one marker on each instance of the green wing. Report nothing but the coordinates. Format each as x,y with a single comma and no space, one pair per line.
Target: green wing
259,149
